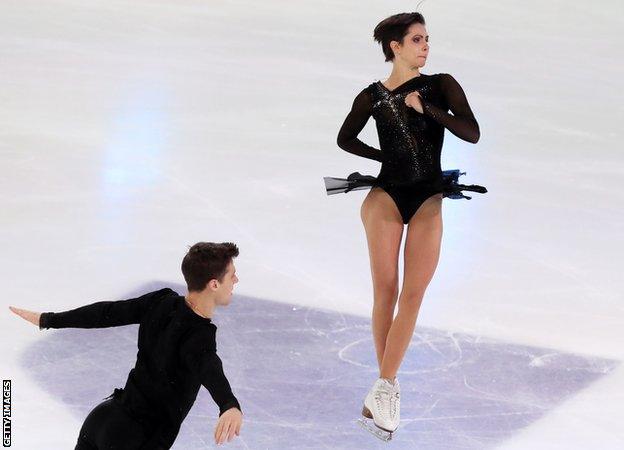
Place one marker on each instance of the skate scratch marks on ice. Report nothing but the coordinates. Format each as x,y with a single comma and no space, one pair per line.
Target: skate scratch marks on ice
347,347
468,416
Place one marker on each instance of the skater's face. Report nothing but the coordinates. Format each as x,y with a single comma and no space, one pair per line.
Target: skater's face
226,286
414,49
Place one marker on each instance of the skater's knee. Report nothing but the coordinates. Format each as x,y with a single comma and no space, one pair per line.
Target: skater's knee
386,282
409,302
386,293
385,305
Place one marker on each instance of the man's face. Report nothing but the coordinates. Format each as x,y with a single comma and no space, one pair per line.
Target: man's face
226,286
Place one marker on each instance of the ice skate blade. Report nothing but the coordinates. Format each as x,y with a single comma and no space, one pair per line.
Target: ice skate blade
375,430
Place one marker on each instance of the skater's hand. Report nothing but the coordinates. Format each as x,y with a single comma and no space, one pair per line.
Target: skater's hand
31,316
228,425
414,100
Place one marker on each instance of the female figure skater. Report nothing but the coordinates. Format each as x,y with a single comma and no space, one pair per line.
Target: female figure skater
411,113
177,354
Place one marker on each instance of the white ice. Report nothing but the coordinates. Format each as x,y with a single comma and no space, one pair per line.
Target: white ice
130,130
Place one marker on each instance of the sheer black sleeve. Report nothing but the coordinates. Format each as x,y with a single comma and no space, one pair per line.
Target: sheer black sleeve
462,122
102,314
353,125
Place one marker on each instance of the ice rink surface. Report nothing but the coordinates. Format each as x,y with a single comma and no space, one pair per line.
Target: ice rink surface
130,130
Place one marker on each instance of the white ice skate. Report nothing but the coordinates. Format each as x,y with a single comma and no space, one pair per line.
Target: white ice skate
383,406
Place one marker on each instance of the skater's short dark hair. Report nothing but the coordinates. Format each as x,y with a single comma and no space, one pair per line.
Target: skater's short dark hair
207,261
394,28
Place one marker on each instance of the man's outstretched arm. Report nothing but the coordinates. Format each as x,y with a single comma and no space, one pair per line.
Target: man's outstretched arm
96,315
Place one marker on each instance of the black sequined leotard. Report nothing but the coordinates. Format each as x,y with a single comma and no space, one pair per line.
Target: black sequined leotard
410,142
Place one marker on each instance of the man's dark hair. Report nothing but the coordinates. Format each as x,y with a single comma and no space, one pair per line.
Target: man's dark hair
207,261
394,28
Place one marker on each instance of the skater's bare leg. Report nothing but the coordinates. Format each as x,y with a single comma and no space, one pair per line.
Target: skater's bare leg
384,230
422,252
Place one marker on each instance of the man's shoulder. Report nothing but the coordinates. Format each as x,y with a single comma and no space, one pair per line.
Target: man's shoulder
162,295
159,303
165,292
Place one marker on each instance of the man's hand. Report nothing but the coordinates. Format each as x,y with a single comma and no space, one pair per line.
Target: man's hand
31,316
228,425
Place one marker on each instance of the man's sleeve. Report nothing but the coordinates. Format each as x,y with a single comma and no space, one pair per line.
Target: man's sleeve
103,314
209,369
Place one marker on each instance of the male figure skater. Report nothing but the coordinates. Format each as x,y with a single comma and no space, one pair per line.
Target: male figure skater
177,354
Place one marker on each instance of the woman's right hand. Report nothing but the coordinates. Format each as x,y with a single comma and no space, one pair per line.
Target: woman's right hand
31,316
414,100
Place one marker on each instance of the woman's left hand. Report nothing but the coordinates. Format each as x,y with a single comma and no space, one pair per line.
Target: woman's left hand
414,100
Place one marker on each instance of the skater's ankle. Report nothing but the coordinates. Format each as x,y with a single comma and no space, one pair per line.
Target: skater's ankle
392,380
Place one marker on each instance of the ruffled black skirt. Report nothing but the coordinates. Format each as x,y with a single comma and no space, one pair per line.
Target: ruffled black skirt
356,181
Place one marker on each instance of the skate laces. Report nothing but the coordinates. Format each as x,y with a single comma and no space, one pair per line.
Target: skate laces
387,399
394,399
